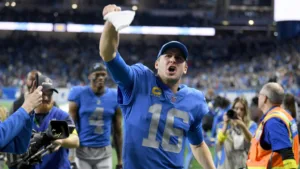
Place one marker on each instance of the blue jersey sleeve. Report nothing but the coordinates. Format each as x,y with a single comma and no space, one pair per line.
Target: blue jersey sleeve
276,134
74,94
195,134
15,132
121,73
141,76
21,142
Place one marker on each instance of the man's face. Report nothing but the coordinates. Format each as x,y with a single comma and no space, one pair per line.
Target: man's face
171,65
47,102
98,78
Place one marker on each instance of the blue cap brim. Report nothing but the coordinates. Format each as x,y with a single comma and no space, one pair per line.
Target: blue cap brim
174,44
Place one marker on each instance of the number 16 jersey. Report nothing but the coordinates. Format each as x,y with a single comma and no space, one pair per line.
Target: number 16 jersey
157,121
94,116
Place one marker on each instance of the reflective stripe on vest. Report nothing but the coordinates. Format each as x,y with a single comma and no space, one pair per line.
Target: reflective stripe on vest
282,117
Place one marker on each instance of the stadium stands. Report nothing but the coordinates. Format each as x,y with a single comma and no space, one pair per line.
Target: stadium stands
221,62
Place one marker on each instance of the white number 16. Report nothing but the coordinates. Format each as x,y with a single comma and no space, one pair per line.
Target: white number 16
168,131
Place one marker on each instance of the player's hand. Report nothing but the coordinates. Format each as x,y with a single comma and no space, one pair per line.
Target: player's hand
119,166
57,144
110,8
33,99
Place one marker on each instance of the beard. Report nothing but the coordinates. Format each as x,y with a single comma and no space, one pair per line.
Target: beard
44,107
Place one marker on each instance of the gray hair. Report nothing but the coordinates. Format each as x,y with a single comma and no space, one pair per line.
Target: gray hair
274,92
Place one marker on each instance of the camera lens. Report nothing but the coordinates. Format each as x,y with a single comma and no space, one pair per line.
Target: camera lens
231,114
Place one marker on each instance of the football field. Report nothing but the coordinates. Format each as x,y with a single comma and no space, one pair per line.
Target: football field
194,164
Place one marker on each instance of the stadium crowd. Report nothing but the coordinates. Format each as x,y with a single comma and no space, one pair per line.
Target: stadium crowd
221,62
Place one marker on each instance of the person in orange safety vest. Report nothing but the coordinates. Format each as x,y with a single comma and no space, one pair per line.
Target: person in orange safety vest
275,144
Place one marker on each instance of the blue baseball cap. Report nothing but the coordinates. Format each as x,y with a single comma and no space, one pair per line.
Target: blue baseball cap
174,44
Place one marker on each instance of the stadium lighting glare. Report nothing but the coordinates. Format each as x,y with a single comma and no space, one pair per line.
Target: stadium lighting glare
251,22
225,23
90,28
134,8
13,4
6,3
74,6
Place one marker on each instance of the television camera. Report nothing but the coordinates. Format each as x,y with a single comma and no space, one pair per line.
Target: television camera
41,144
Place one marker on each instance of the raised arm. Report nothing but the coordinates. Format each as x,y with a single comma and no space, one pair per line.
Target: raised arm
18,122
109,40
108,47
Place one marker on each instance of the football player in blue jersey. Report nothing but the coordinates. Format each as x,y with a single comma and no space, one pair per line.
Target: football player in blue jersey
95,111
158,112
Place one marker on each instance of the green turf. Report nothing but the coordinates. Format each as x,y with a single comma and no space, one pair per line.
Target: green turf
6,104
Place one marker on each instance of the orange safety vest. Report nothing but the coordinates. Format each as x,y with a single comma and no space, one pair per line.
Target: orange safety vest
259,158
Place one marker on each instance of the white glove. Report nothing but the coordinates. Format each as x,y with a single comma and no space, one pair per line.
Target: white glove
120,19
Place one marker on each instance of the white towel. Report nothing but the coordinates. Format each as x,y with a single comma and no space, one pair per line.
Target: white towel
120,19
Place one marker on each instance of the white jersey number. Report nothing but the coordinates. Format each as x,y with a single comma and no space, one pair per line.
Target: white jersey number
96,119
168,131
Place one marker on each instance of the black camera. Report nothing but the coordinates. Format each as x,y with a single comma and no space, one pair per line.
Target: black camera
231,114
41,144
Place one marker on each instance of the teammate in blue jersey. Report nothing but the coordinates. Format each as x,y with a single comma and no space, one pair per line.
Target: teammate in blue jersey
46,112
159,113
95,111
15,131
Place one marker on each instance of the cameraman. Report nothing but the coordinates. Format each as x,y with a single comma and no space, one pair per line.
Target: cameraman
234,136
43,115
15,131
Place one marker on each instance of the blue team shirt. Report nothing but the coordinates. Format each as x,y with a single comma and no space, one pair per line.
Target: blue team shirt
275,135
156,120
95,115
60,158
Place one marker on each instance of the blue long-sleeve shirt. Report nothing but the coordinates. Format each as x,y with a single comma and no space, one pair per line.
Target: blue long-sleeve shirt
15,132
122,74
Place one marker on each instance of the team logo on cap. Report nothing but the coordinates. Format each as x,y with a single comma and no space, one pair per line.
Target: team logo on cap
47,81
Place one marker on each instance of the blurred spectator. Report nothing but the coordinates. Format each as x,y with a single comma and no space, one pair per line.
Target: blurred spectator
256,113
29,82
3,116
3,113
289,104
221,105
226,62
